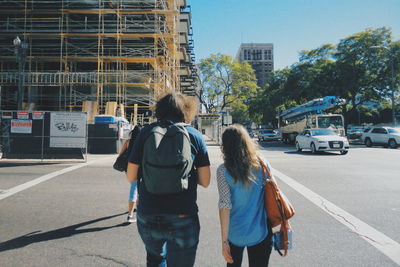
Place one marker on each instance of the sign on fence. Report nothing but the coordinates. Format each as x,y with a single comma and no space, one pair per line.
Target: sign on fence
68,129
21,126
37,115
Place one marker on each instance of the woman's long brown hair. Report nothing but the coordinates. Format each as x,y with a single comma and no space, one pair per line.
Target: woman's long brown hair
239,152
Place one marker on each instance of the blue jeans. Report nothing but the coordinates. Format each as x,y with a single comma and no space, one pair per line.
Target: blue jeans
169,239
133,192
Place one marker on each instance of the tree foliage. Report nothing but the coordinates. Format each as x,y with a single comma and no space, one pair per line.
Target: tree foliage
226,82
358,65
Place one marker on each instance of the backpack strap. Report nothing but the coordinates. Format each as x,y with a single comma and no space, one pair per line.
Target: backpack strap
183,125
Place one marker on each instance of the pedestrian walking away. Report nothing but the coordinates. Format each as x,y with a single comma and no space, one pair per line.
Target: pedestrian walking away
241,204
172,158
127,148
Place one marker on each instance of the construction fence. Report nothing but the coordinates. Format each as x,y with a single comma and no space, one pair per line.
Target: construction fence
56,135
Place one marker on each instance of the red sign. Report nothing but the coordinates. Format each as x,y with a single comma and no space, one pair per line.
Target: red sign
37,115
21,126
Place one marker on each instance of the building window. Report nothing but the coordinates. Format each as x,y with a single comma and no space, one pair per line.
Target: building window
268,54
259,55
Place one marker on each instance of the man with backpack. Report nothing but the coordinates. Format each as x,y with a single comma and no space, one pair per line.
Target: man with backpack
173,160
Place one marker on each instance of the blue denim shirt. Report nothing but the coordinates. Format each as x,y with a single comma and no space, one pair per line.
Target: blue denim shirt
248,220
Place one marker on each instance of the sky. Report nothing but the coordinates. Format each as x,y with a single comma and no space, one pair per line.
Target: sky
220,26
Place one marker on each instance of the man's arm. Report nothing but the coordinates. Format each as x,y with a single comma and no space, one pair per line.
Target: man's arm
132,172
124,147
204,174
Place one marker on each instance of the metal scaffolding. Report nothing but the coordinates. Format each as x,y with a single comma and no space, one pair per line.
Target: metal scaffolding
124,51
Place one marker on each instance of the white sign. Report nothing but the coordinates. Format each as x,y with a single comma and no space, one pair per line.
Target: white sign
21,126
37,115
227,119
23,115
6,115
68,129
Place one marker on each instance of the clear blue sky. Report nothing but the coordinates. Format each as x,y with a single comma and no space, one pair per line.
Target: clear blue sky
220,26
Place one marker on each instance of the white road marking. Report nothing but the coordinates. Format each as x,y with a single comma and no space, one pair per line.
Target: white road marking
383,243
7,193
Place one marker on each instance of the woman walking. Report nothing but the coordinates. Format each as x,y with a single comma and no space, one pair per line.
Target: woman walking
127,148
241,201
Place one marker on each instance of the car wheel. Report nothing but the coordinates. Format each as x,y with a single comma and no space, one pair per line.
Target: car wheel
368,142
344,152
312,148
392,143
298,148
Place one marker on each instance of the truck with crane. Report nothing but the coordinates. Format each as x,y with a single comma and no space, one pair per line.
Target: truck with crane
311,115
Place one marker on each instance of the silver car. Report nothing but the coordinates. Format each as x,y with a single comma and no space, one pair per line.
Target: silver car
268,135
386,136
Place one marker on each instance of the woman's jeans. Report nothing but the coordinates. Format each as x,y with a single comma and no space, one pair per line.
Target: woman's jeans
169,239
258,254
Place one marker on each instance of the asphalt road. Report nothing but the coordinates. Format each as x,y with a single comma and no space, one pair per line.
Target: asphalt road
77,218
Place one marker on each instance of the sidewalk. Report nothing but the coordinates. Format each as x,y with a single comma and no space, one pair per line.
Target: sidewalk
210,141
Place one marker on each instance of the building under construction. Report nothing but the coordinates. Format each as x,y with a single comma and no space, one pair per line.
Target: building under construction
98,56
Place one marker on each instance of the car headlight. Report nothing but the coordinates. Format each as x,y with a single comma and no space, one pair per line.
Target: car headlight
322,141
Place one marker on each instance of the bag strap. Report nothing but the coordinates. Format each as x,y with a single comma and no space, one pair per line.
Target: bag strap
265,171
285,226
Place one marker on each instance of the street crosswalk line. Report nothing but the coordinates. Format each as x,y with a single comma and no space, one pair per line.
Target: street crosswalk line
383,243
12,191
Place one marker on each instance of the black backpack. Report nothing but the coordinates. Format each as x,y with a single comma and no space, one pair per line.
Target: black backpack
167,159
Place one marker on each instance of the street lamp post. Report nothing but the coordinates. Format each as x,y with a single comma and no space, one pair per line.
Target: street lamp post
20,54
391,57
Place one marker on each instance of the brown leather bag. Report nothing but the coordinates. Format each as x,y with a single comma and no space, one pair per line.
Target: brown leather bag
278,208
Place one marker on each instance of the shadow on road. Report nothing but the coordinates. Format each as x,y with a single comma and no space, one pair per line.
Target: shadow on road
308,153
275,146
36,237
18,164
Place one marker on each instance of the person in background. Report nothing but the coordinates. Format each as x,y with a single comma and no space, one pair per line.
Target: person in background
168,223
127,147
241,201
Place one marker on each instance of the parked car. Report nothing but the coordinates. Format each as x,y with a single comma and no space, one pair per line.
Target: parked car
355,131
268,135
321,140
386,136
250,131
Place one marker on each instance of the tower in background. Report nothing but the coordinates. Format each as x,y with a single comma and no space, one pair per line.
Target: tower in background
261,57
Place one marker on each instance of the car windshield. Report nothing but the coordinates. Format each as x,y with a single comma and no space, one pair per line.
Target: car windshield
322,132
394,130
331,121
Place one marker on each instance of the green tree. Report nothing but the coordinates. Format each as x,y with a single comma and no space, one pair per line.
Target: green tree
226,82
359,65
263,108
351,68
